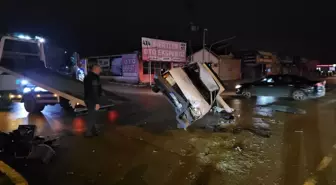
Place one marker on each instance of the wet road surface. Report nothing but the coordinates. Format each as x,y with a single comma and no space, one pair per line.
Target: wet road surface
140,145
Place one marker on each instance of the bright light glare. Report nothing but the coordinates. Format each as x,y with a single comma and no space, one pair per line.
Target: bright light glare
26,37
39,89
265,100
40,39
26,90
238,86
24,82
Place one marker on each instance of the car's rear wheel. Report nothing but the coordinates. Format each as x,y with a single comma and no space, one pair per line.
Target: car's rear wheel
246,93
299,95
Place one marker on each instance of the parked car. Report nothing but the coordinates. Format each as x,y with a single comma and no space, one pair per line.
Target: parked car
296,87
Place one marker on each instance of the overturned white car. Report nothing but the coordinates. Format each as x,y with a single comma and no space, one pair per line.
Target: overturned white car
194,90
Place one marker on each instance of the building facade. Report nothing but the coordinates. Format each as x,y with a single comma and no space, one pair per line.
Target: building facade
120,68
256,64
158,56
227,67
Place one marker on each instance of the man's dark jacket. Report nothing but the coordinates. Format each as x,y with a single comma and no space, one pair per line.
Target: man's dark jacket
92,88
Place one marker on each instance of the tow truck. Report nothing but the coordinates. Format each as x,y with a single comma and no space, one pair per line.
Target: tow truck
23,58
194,90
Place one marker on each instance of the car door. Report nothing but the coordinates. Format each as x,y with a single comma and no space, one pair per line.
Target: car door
284,84
265,87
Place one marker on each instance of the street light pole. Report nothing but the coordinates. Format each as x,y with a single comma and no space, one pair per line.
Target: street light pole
217,42
204,31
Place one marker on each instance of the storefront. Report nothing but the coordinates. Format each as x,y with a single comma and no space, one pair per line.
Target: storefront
121,68
326,69
159,56
256,64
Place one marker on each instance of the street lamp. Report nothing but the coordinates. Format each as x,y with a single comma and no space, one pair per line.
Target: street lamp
204,31
217,42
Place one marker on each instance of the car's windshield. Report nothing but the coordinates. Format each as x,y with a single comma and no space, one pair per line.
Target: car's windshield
21,47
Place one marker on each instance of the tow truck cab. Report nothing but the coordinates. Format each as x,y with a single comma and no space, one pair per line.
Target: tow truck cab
14,90
8,90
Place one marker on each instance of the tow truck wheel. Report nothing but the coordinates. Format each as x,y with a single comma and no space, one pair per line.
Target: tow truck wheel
31,106
64,103
5,104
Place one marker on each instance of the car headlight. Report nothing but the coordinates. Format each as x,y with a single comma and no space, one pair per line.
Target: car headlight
39,89
24,82
196,112
26,90
238,86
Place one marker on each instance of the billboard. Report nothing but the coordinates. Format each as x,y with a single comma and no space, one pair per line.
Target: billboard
161,50
130,65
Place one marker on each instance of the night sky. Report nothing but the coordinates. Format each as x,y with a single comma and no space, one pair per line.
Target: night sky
114,27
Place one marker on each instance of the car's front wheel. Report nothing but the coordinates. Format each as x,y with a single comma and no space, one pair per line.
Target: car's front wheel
155,89
299,95
246,93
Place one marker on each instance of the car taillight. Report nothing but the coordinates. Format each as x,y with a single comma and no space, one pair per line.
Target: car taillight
320,84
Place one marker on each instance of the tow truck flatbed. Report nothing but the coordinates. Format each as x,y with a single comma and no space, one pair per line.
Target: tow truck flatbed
32,67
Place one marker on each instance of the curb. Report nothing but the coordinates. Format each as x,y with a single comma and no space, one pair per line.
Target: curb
13,175
129,85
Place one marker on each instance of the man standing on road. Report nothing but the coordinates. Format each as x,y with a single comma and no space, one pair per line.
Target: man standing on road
92,94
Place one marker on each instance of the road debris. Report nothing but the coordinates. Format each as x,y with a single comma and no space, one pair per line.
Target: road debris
181,163
287,109
229,155
268,110
238,149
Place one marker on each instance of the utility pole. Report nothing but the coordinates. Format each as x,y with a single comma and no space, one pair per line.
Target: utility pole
217,42
204,31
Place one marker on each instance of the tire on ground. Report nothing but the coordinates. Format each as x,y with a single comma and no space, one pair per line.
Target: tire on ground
246,93
31,105
5,104
64,103
155,89
299,95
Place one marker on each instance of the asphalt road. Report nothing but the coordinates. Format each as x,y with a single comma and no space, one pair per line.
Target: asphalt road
140,145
